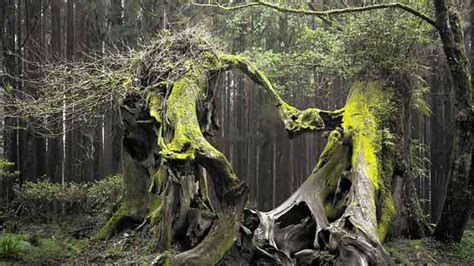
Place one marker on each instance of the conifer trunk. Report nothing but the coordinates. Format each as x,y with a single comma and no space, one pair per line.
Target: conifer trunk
457,208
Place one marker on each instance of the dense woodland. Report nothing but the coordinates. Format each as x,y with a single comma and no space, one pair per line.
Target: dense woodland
74,124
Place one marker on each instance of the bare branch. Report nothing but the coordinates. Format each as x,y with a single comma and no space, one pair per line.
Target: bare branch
228,8
74,93
332,12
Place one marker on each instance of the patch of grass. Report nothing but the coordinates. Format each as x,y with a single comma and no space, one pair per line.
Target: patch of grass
75,245
465,249
46,250
10,246
32,248
428,251
409,252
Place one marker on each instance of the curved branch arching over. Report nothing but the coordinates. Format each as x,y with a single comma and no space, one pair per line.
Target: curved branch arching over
183,193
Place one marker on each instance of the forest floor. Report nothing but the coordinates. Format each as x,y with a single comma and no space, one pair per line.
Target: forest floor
68,243
427,251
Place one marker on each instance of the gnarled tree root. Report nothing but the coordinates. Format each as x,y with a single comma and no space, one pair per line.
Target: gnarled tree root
191,200
334,214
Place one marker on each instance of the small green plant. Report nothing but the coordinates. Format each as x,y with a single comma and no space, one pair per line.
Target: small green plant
10,246
7,178
39,249
104,192
419,162
5,169
49,201
465,249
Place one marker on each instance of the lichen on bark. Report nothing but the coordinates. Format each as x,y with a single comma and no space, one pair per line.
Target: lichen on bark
178,185
344,207
184,192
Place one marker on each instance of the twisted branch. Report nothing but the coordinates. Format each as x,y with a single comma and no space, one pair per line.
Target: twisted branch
332,12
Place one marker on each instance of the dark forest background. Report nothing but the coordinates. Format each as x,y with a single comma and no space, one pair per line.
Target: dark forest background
251,135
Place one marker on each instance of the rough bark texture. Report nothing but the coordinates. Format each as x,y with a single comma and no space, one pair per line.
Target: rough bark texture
408,220
342,211
177,184
184,192
459,200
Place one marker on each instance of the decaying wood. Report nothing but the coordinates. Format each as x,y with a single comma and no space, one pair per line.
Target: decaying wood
184,194
337,209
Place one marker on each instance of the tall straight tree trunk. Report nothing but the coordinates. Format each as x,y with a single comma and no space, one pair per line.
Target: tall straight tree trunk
116,21
55,148
130,19
35,144
9,63
72,151
19,71
458,204
438,156
116,39
70,38
28,43
10,141
107,164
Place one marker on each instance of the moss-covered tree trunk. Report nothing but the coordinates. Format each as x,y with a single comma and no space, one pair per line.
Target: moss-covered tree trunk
184,193
344,208
459,199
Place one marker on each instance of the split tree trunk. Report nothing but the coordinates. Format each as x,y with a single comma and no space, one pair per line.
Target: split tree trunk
184,192
345,205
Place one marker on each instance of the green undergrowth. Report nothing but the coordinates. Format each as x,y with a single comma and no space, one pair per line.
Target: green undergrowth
54,244
26,248
428,251
52,202
49,224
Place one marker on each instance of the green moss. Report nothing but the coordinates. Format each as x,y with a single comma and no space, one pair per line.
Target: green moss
107,229
155,208
153,102
48,249
188,140
427,251
224,247
334,141
164,258
359,119
230,58
368,115
126,84
181,110
295,119
75,245
29,248
334,160
156,182
387,212
251,70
